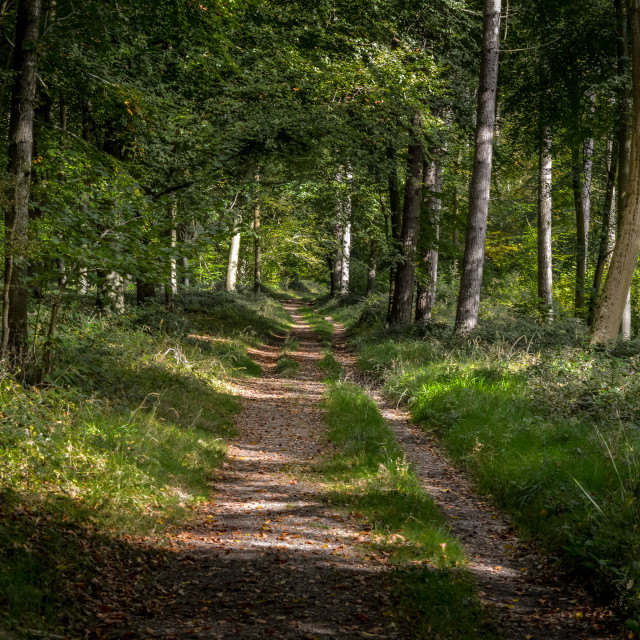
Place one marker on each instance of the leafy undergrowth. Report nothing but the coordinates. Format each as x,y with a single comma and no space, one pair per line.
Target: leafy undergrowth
99,465
370,476
548,426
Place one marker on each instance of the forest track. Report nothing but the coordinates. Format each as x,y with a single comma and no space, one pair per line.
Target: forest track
530,599
269,558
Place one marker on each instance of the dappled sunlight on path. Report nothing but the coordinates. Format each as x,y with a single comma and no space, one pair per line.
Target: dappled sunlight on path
269,558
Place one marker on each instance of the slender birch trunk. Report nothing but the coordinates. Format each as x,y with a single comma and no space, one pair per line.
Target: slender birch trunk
171,288
234,255
545,256
346,253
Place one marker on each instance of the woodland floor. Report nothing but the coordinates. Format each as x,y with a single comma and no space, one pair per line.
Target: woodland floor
269,558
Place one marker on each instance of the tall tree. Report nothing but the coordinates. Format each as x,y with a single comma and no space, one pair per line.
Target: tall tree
14,319
426,293
545,272
234,253
611,306
406,269
474,251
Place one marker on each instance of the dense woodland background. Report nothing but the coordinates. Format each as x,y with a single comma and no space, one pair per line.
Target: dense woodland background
294,133
172,166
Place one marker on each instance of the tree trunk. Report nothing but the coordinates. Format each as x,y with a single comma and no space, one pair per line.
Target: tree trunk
625,323
337,259
455,214
332,276
395,205
607,229
185,272
14,320
83,282
113,292
545,257
346,251
371,268
406,268
171,288
426,296
625,254
234,254
581,228
473,261
257,251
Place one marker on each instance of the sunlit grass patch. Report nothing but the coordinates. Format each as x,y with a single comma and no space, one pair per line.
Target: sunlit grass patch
287,367
370,476
330,365
115,451
321,327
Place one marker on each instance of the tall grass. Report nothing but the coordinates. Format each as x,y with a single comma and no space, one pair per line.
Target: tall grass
547,426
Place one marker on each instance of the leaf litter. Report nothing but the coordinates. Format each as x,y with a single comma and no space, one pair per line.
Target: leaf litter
267,557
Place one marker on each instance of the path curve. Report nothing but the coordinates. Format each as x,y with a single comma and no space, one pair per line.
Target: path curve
530,598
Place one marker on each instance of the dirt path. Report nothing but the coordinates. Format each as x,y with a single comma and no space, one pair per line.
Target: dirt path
270,559
530,599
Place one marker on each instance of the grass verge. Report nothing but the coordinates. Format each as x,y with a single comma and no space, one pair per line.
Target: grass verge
99,466
547,426
369,475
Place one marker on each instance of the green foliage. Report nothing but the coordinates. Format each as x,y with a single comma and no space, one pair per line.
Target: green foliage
370,475
330,365
287,367
546,427
120,443
321,327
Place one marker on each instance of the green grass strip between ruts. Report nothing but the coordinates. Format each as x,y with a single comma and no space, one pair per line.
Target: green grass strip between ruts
370,476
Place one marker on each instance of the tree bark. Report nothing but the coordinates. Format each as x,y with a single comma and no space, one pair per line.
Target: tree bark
332,275
473,261
625,323
14,320
545,258
607,229
625,254
581,228
185,271
113,291
395,205
426,295
371,268
406,268
171,288
337,257
257,251
234,254
346,252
